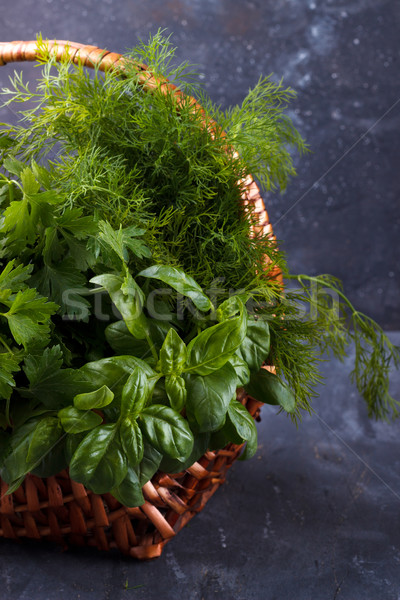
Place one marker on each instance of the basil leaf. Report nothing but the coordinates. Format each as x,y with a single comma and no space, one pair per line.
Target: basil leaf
255,347
241,420
122,341
159,395
229,308
167,431
99,461
182,283
76,421
200,446
45,435
113,371
15,465
72,442
135,393
241,369
214,346
149,463
132,441
224,436
238,428
172,354
53,462
128,298
266,387
96,399
208,398
129,491
176,391
251,446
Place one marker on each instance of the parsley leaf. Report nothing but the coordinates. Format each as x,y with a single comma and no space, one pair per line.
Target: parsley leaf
8,365
28,317
48,382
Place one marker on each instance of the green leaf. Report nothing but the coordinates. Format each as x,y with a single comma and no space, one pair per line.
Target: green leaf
13,165
76,421
254,349
227,434
48,382
5,439
97,399
6,141
213,347
266,387
176,391
129,491
9,364
241,420
18,225
172,354
229,308
29,183
167,431
31,446
113,372
64,284
14,467
99,462
28,317
42,175
208,398
241,369
72,442
72,221
21,218
112,238
132,441
53,462
128,298
123,342
182,283
135,393
123,239
250,448
149,463
200,446
14,278
45,436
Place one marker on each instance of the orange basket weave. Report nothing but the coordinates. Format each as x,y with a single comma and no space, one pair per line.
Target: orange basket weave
59,509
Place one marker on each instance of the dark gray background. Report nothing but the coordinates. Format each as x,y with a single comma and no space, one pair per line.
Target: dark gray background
315,515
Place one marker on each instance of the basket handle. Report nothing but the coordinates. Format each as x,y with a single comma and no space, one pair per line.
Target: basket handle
104,60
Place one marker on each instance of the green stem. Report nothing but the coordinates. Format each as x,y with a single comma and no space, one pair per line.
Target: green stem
326,284
152,348
7,415
6,346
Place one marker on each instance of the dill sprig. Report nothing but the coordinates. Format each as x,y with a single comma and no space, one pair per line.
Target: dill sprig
141,159
340,324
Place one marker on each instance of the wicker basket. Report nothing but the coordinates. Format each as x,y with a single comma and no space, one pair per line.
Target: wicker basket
61,510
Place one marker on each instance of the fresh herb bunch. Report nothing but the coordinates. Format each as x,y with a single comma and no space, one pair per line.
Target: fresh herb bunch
134,300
